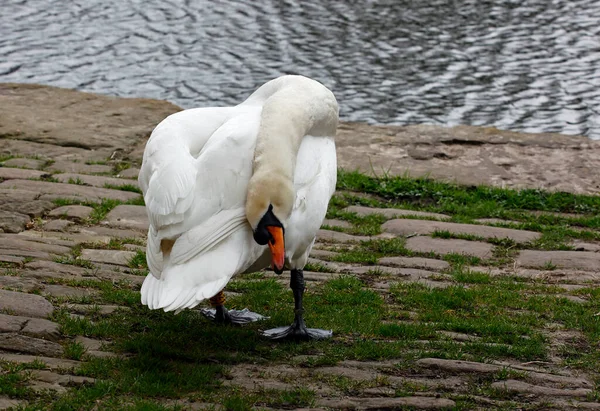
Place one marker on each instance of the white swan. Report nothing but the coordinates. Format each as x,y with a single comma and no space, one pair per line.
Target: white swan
220,184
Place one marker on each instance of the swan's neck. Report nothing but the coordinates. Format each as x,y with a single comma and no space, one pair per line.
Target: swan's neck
292,107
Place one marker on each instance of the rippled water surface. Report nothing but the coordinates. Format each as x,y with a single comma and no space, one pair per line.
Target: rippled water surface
522,65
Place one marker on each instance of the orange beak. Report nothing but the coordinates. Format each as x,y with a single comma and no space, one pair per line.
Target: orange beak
277,247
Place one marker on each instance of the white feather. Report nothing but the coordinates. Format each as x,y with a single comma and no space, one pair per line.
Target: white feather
194,176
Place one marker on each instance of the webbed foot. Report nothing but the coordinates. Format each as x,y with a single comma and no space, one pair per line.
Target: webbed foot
222,315
297,332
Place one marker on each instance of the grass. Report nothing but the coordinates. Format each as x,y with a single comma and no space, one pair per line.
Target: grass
115,243
76,181
138,261
124,187
74,350
368,252
472,201
74,259
318,267
534,210
100,210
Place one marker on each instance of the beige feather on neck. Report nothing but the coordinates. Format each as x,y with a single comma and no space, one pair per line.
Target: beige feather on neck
292,107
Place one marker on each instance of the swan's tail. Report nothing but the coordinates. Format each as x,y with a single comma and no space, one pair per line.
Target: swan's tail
195,271
159,294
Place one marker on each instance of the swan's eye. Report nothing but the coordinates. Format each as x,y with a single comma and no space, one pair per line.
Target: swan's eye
262,234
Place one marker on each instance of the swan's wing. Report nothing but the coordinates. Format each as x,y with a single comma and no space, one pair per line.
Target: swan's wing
215,189
169,172
314,180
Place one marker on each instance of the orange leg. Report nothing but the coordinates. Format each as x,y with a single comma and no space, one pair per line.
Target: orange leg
218,299
220,314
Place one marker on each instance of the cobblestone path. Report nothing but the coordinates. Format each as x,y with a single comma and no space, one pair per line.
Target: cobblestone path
60,208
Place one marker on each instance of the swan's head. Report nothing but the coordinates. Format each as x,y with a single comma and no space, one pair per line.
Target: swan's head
268,208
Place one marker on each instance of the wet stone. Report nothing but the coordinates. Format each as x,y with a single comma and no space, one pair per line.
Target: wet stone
369,269
57,290
108,273
456,366
352,373
322,254
78,167
582,260
560,381
11,222
25,253
61,379
35,327
11,259
52,363
30,163
99,309
17,242
57,225
130,173
11,323
96,181
393,212
495,221
579,245
45,329
51,266
33,208
6,403
441,246
29,305
337,237
72,212
117,257
89,343
562,275
308,276
406,227
128,216
41,387
380,392
421,403
526,388
330,266
75,238
18,283
108,232
336,223
134,247
415,262
41,237
7,173
52,191
458,336
29,345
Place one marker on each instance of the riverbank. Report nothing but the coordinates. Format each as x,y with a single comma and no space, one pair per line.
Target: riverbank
440,295
92,127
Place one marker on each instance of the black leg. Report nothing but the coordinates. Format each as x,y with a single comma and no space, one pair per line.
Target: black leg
222,315
298,330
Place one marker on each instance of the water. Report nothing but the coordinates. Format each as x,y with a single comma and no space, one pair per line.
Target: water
522,65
